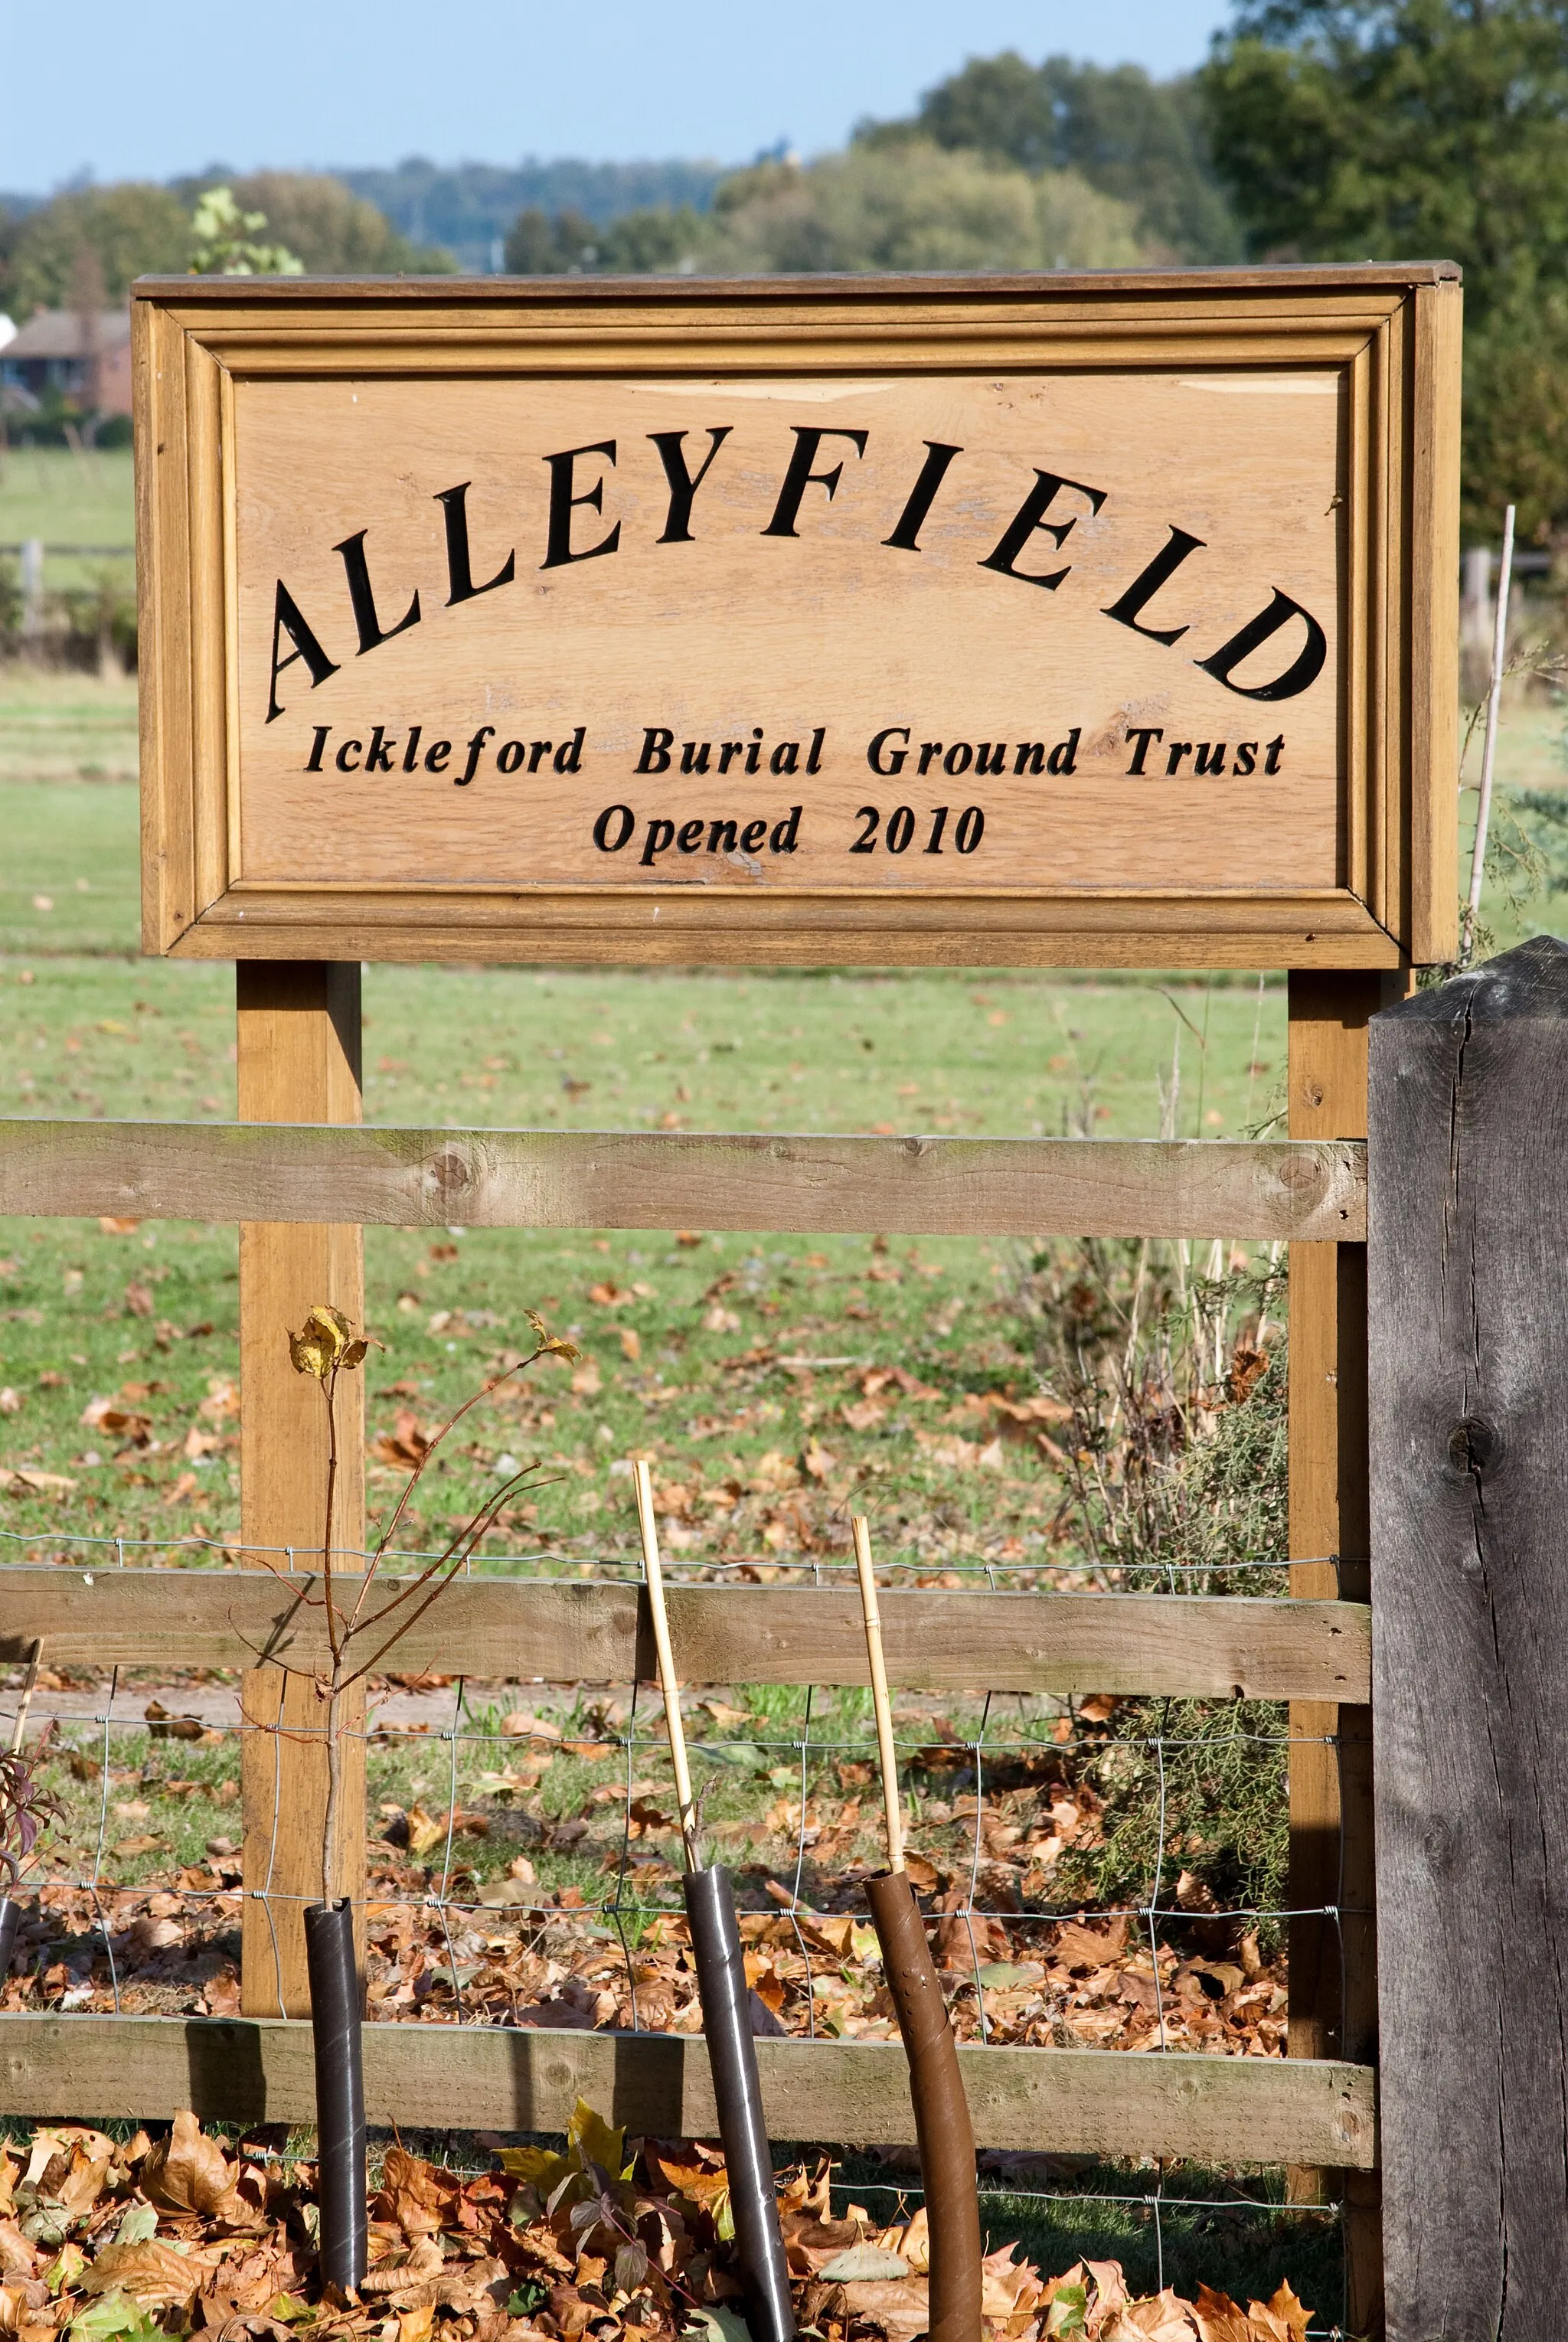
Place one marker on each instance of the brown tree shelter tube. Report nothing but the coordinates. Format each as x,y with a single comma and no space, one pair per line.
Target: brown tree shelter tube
942,2124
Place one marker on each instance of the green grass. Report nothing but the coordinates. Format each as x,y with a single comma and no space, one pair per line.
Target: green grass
67,499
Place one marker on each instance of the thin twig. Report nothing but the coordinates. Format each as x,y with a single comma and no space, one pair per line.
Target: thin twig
668,1684
416,1475
886,1751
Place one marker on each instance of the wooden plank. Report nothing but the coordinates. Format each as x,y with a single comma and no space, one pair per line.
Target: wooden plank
1165,285
1332,1966
1469,1364
1434,635
567,1630
1070,2101
298,1053
569,1178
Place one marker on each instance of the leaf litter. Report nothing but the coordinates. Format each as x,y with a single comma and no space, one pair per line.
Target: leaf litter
621,2239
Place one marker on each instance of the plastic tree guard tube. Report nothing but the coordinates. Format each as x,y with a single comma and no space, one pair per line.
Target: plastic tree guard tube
10,1920
334,2023
942,2124
732,2053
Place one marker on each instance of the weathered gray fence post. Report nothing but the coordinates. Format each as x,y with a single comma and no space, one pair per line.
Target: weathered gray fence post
1468,1298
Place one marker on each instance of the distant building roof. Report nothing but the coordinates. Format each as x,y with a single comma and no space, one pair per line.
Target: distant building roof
58,334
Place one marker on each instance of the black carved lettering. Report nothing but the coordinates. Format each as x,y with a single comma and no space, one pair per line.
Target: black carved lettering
786,833
286,619
991,759
657,742
453,502
378,756
1126,608
808,439
1030,756
1029,517
677,527
1272,754
485,732
694,756
1246,757
1064,756
721,837
1211,757
318,742
1142,734
691,835
564,502
660,836
537,752
883,759
1304,669
1173,755
372,634
922,496
625,822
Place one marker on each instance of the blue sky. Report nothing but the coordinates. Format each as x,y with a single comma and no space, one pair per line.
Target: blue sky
168,85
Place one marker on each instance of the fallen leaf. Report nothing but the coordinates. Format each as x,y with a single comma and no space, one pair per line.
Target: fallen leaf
150,2272
139,1299
188,2172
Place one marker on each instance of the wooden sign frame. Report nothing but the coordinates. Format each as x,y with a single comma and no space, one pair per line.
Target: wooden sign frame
1391,336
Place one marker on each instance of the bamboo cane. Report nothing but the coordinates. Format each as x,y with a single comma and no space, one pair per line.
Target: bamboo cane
941,2125
887,1751
668,1684
726,1996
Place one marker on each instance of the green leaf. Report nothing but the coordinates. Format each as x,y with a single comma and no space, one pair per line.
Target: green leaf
140,2223
113,2317
715,2325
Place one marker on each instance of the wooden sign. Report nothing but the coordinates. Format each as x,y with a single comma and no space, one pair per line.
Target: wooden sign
1074,620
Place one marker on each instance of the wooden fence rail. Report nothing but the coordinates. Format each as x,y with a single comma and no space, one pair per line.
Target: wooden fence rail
1302,1191
473,2077
562,1630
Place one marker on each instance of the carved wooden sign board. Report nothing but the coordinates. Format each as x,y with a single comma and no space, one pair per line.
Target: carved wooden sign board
1073,620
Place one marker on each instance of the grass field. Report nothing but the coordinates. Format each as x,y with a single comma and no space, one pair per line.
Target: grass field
67,498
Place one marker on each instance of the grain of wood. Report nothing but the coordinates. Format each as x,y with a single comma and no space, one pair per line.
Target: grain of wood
1333,1961
349,395
298,1053
1220,2110
521,1178
1470,1487
566,1631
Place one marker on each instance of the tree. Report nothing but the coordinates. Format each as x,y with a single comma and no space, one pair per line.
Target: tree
130,230
915,205
1142,141
335,232
224,243
1423,129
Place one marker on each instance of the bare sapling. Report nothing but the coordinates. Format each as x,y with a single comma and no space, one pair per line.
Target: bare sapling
362,1633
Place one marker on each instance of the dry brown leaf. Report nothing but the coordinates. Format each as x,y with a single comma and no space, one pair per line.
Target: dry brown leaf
1280,2318
187,2172
1220,2320
151,2272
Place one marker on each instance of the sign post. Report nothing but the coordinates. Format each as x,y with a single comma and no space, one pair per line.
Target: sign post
1052,621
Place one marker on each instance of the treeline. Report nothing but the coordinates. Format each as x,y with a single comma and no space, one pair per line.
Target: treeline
1318,129
1004,165
134,228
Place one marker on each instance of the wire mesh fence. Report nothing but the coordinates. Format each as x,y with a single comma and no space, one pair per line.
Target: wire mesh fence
582,1927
